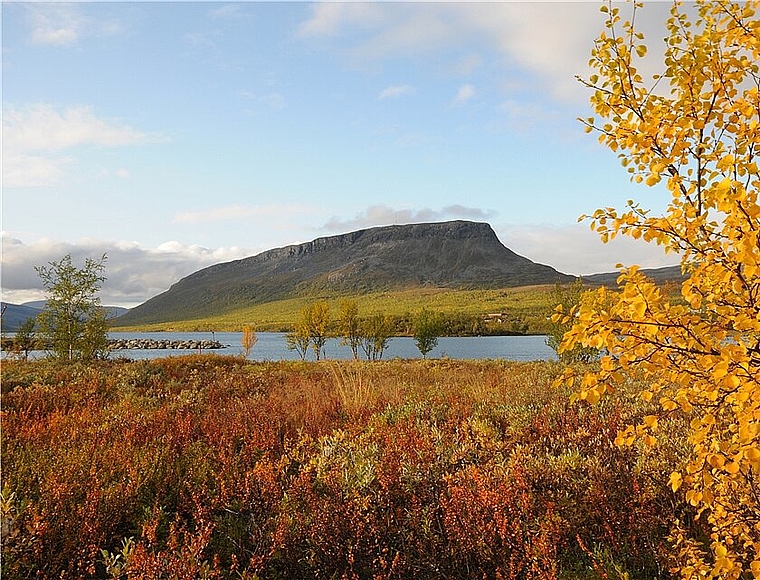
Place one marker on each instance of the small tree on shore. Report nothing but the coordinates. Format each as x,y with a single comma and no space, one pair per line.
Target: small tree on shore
73,323
427,327
312,330
298,342
376,334
317,319
249,339
349,326
25,340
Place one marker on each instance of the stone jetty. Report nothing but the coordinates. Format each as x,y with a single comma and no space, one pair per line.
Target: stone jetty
158,344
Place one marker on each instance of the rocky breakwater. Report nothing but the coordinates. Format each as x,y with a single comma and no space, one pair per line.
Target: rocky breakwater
159,344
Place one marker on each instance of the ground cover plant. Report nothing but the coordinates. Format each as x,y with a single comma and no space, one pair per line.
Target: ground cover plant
217,467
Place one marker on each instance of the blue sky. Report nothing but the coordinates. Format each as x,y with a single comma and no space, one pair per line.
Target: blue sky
172,136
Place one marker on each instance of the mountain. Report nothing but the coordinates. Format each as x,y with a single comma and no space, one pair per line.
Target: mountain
658,275
455,254
14,315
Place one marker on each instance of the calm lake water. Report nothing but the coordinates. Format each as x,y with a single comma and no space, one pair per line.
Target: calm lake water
271,346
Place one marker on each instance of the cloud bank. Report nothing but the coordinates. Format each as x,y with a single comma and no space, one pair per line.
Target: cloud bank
134,273
575,249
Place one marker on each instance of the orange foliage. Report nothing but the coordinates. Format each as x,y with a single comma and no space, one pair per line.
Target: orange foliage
216,467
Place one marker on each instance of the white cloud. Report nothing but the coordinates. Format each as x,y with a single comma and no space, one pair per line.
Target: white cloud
56,24
35,136
134,273
328,18
33,170
551,40
64,24
44,127
517,116
381,215
231,12
393,92
243,213
54,35
575,249
464,94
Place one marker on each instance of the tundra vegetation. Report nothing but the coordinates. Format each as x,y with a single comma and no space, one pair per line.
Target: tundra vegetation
216,467
464,312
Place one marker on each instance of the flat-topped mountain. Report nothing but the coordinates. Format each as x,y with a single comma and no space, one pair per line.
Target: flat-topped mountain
455,254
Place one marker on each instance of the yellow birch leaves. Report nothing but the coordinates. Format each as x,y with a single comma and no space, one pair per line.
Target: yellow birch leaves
695,129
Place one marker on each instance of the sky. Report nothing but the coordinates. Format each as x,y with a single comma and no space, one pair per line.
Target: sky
174,135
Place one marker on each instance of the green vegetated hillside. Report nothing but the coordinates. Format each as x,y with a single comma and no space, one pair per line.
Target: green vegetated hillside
506,310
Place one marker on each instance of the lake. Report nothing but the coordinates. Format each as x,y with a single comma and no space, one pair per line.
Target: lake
271,346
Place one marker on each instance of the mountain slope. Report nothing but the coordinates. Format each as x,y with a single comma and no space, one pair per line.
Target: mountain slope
457,254
14,315
658,275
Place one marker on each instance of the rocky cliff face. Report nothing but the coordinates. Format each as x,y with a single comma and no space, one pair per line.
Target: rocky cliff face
456,254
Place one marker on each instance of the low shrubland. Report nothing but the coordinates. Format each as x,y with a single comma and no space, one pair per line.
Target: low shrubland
214,467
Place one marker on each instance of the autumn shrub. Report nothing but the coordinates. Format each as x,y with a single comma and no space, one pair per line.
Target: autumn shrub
217,467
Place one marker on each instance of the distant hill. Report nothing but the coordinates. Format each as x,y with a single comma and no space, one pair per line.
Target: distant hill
37,304
658,275
14,315
455,254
